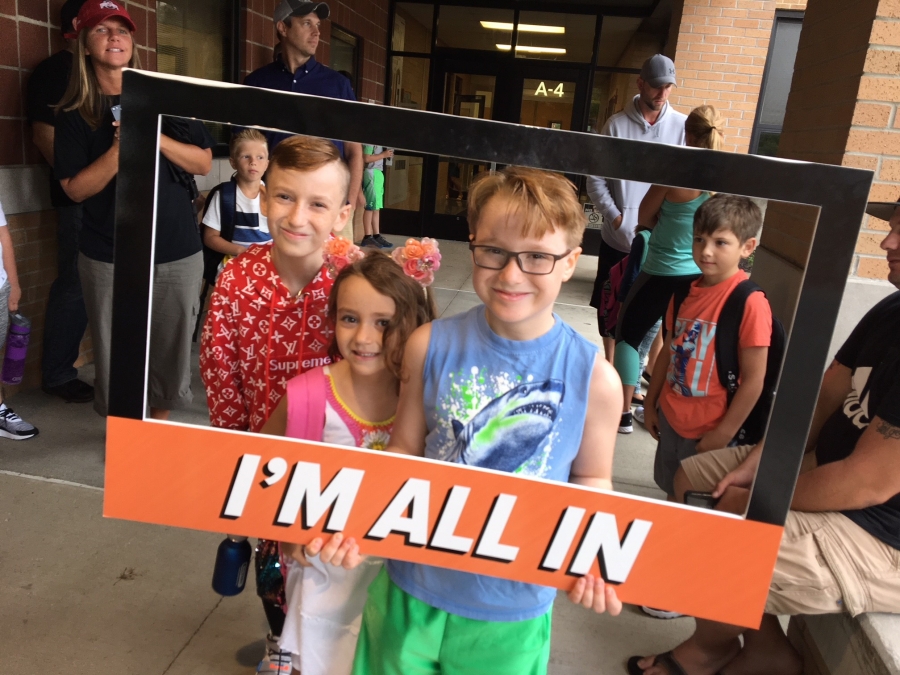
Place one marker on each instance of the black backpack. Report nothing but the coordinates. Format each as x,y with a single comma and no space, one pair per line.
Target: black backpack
227,209
728,330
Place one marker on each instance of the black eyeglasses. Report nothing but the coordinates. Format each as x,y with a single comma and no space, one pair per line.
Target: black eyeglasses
530,262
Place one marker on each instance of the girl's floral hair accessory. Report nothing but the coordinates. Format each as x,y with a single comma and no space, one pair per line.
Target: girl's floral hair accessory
419,259
339,252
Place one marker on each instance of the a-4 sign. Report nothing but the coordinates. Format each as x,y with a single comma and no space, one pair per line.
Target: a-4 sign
544,90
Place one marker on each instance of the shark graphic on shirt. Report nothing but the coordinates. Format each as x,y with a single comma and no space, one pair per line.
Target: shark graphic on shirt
509,430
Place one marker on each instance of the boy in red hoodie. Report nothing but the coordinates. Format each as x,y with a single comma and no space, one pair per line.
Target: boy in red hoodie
267,318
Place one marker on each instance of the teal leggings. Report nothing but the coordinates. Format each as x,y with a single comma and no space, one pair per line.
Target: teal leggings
646,303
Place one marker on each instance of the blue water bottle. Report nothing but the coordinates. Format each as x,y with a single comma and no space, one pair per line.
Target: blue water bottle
232,564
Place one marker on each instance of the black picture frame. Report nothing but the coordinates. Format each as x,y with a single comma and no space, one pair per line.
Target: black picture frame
840,193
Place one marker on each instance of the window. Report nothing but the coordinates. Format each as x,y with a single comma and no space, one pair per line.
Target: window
345,55
412,28
612,90
196,38
776,84
475,28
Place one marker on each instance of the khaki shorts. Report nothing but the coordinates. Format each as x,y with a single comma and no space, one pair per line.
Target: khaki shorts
826,563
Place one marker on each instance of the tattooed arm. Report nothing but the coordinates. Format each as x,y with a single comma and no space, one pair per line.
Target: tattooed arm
868,477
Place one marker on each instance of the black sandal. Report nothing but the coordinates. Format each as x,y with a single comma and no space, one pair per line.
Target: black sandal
665,659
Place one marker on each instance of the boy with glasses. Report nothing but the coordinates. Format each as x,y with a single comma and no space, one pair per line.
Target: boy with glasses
504,386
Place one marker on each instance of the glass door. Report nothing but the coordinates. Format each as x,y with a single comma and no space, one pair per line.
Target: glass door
465,95
521,91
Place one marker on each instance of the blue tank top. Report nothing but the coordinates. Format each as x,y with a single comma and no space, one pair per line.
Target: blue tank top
500,404
671,245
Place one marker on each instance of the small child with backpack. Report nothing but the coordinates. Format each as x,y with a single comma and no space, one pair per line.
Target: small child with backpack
232,221
718,373
375,307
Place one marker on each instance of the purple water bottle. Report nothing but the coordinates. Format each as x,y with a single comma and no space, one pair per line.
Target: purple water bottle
16,349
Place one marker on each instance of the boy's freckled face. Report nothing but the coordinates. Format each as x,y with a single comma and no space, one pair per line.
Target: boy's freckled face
719,254
520,305
304,207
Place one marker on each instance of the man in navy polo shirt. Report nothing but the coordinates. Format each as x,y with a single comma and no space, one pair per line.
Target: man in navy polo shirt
298,24
297,70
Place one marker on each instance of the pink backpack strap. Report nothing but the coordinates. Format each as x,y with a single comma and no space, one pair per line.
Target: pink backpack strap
306,405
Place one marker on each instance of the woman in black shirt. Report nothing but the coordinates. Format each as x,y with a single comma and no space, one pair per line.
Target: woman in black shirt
86,151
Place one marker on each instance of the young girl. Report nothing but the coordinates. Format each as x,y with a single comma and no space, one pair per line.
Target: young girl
375,307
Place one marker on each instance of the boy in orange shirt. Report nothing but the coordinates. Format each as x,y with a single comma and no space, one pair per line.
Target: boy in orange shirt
687,408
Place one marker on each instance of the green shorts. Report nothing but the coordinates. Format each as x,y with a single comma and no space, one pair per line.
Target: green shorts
401,635
373,189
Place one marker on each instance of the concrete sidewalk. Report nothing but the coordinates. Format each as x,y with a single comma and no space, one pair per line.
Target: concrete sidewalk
110,597
86,595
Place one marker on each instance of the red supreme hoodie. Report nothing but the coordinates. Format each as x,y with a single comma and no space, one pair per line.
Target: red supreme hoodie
257,337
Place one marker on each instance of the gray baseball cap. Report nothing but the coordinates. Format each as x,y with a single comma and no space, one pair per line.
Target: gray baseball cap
882,210
287,8
658,70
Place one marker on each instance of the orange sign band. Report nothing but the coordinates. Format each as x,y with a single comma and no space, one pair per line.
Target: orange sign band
697,562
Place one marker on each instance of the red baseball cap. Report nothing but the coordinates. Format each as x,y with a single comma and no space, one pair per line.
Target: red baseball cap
93,12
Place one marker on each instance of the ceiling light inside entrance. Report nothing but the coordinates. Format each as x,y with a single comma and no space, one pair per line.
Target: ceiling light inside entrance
533,50
523,27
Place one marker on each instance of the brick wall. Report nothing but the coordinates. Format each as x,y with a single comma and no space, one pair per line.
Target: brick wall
367,19
29,33
843,104
720,54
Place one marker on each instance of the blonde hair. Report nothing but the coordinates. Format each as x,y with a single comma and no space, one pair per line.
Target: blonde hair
706,125
83,93
547,201
245,135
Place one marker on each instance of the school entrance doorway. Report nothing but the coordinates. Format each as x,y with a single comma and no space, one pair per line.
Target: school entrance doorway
562,69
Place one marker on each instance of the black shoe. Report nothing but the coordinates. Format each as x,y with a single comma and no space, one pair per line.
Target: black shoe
73,391
382,242
369,240
626,424
646,376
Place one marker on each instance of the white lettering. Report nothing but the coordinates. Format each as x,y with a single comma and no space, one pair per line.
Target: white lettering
304,491
414,496
559,90
601,541
489,545
541,90
563,538
444,537
240,487
275,468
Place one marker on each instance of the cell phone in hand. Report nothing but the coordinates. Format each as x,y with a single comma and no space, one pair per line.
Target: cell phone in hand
703,500
116,111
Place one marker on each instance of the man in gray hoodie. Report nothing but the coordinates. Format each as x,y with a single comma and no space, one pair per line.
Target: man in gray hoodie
647,117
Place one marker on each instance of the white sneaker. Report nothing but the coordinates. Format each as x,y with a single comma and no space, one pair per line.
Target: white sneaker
638,414
14,427
660,613
276,661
